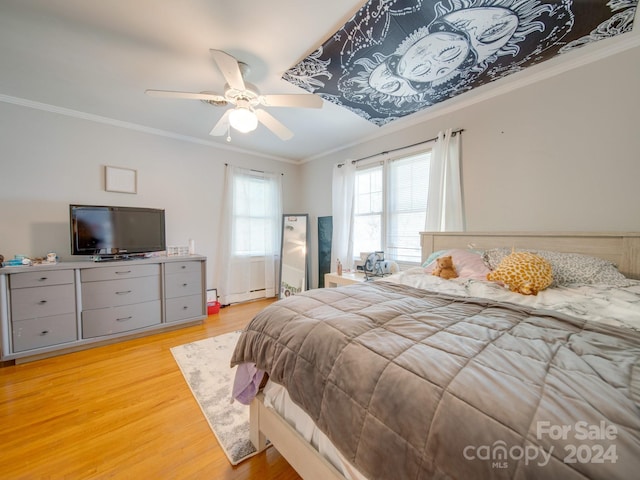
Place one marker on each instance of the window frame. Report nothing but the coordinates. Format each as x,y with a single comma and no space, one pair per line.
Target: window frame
385,163
370,166
237,217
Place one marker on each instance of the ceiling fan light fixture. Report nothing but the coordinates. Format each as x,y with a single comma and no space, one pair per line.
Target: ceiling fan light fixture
243,119
246,99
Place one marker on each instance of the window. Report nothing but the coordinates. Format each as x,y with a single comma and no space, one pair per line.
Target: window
248,256
390,207
368,211
254,224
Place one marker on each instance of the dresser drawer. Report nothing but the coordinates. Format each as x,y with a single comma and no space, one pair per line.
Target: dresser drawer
113,293
181,284
106,321
43,332
41,278
42,301
182,308
181,267
119,272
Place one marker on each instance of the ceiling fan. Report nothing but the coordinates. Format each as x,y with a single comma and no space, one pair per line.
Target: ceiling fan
245,98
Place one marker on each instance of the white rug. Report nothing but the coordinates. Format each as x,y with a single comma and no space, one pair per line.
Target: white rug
205,367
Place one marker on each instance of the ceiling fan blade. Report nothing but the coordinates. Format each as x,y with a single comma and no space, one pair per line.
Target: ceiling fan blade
302,100
229,68
187,95
222,127
274,125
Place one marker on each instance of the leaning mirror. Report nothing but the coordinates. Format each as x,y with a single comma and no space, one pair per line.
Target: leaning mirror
294,259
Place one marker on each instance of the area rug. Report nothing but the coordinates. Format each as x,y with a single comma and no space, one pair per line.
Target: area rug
205,367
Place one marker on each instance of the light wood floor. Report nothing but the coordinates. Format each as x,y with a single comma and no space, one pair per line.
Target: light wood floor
119,411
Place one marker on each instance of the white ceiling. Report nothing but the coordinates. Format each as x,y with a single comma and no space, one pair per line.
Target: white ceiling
96,58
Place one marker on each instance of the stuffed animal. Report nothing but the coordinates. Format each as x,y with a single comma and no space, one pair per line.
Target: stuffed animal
445,268
523,272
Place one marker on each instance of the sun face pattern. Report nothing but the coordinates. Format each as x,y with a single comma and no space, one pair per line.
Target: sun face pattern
373,67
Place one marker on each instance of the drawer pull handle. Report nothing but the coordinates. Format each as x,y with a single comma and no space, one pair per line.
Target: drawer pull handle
185,284
123,272
42,302
44,332
124,292
185,308
42,279
123,319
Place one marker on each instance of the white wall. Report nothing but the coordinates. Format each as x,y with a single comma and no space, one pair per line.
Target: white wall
562,154
48,161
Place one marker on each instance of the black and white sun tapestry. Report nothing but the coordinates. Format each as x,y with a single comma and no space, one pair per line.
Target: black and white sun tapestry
396,57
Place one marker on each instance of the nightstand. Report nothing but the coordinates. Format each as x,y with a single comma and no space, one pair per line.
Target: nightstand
334,280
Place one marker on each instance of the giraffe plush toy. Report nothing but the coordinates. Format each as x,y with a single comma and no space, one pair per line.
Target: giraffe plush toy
523,272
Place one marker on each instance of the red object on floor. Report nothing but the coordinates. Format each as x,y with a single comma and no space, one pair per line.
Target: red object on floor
213,308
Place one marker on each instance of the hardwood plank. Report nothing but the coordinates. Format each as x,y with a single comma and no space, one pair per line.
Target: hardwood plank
120,411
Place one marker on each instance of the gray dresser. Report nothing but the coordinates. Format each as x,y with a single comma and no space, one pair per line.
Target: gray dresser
50,309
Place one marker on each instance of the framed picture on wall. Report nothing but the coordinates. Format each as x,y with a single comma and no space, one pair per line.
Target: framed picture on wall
122,180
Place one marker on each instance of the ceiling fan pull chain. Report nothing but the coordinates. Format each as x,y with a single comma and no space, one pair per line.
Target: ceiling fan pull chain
229,132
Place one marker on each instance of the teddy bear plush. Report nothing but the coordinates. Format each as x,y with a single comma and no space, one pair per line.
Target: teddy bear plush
445,268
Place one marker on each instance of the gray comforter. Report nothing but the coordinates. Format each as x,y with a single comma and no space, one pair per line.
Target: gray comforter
410,384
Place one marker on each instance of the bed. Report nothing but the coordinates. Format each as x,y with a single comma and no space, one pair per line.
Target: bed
412,376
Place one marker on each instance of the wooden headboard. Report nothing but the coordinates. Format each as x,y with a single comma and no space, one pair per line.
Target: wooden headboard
623,249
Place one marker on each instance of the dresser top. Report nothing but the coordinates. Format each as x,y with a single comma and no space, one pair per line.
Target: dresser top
86,263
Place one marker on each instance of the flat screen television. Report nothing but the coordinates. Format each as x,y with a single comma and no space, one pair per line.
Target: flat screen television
109,232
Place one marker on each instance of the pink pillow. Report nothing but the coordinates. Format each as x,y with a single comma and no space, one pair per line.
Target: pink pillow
468,264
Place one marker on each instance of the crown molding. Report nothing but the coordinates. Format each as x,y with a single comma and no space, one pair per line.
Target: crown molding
23,102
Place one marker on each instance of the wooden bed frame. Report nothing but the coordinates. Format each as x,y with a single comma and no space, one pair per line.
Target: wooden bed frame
266,423
623,249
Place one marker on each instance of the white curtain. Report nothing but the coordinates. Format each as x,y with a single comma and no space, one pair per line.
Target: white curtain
250,232
444,203
343,186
